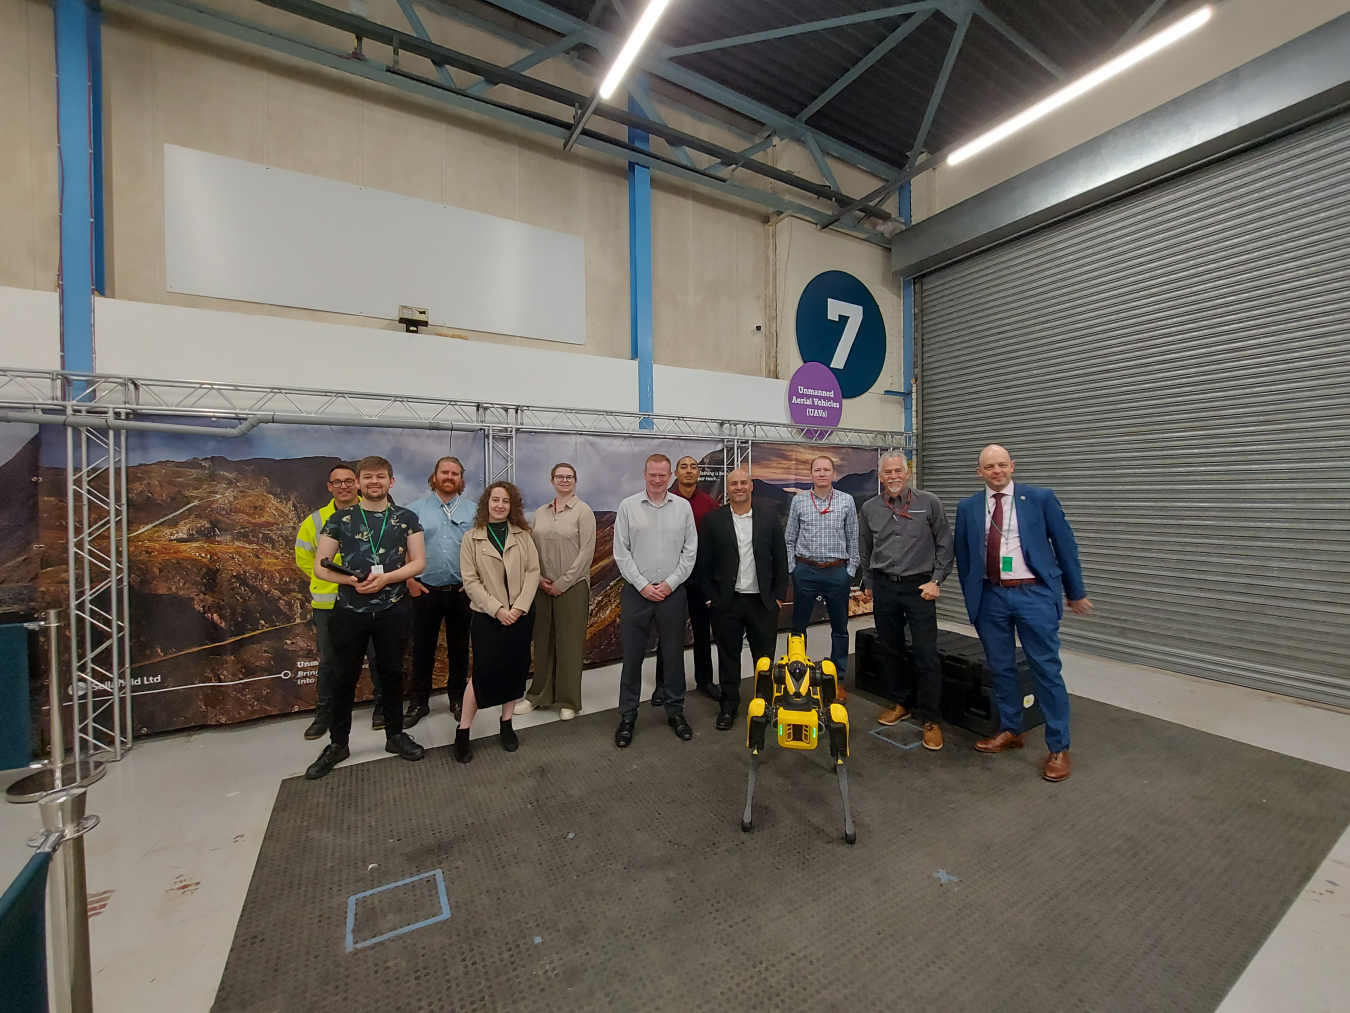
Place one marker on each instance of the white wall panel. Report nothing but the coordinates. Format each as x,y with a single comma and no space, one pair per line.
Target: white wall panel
30,329
239,230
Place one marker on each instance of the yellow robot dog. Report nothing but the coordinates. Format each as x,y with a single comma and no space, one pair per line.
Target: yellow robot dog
797,697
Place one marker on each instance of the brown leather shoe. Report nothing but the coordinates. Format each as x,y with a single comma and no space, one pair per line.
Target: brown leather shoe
839,692
1057,767
1000,743
932,735
892,716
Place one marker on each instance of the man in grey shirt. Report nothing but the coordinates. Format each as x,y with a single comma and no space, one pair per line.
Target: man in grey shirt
906,549
655,545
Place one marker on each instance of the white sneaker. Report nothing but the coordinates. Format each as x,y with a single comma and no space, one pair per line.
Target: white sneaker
524,706
566,713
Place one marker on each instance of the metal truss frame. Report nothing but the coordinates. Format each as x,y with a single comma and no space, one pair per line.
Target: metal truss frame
96,560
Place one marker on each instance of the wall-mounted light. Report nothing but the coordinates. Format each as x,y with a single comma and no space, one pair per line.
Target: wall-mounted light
1085,83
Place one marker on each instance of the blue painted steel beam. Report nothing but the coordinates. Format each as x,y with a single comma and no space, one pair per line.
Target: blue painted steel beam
941,86
801,29
858,69
1017,40
637,92
1140,23
96,146
640,270
907,326
74,166
750,152
563,45
420,30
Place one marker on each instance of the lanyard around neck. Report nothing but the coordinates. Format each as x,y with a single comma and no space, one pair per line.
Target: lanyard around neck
374,544
501,546
828,503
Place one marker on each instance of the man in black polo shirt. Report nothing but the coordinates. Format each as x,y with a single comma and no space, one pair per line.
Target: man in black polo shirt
384,545
907,552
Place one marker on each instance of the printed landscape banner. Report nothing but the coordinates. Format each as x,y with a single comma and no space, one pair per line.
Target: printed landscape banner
220,613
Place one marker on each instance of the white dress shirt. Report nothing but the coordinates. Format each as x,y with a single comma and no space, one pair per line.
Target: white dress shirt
1011,542
655,543
746,580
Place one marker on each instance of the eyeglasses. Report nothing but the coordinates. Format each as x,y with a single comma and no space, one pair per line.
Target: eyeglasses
564,478
342,482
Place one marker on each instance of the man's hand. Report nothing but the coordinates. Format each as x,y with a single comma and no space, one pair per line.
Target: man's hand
653,592
416,587
506,616
867,595
930,591
1082,607
373,584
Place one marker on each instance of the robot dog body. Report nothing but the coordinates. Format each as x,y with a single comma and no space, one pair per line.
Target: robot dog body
796,696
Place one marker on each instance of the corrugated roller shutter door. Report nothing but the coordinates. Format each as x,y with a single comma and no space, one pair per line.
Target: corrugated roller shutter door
1176,366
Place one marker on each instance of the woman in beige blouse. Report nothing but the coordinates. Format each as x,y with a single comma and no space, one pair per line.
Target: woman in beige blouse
564,532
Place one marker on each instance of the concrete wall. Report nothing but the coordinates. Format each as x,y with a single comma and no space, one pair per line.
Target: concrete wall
1240,30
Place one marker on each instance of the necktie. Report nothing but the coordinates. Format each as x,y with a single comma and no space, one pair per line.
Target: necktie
993,540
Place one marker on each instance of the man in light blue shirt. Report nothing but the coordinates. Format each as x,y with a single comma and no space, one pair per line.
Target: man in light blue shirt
655,547
438,594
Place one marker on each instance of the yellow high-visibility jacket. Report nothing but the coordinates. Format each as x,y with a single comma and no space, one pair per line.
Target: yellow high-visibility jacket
323,595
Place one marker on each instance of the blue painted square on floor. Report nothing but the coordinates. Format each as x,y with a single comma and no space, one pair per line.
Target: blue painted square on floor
396,908
903,734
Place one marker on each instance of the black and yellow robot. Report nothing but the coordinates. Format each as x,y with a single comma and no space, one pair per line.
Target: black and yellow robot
796,696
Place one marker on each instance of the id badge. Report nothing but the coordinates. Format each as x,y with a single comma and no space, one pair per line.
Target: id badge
1007,564
379,567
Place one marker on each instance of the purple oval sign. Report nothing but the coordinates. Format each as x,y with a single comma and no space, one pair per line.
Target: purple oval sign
814,398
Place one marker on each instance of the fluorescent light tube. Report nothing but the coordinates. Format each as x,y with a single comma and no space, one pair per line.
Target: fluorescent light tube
1071,91
630,48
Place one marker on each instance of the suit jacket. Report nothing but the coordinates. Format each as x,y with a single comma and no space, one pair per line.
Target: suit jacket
719,557
494,582
1048,545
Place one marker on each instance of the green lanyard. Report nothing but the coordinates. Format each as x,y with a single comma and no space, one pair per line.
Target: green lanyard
374,545
501,546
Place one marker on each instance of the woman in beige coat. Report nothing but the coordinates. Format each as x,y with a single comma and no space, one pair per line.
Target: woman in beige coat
500,567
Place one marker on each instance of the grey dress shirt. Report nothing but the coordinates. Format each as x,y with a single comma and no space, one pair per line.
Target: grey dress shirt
905,546
655,543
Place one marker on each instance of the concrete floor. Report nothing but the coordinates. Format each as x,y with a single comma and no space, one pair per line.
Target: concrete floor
183,818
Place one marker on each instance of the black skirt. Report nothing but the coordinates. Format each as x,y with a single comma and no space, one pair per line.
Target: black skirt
501,658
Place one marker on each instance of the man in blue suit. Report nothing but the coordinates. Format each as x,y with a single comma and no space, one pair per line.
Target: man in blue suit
1018,562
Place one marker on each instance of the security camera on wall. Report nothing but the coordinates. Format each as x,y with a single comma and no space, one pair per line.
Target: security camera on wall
412,317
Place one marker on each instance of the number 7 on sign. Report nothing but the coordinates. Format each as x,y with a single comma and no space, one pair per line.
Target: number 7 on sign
834,309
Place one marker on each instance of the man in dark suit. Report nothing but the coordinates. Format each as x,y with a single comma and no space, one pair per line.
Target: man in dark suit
1018,562
742,568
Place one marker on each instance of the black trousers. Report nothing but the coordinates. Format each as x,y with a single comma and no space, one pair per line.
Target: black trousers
448,606
327,662
701,624
917,685
743,618
638,616
349,631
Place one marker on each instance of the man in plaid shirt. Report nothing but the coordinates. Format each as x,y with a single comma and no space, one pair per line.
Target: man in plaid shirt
822,550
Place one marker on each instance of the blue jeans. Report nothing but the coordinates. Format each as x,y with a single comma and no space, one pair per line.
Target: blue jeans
1031,612
831,583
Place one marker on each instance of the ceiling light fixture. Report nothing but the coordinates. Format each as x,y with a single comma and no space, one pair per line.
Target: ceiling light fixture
622,63
1085,83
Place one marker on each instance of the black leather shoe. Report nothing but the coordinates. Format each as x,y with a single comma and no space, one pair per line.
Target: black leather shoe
659,698
463,751
415,713
404,746
710,691
318,728
377,717
510,740
330,757
725,720
682,730
623,738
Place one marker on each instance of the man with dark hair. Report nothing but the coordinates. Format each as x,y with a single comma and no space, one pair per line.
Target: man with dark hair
438,597
686,486
342,489
381,547
655,545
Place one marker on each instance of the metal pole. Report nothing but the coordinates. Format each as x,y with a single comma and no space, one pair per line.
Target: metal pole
68,901
58,730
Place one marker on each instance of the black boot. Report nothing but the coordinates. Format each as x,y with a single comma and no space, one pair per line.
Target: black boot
331,756
463,751
510,740
417,710
377,717
404,746
318,728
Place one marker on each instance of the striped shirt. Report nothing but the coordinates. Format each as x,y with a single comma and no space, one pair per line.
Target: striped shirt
823,530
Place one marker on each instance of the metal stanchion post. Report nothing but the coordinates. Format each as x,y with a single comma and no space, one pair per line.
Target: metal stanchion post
56,773
64,824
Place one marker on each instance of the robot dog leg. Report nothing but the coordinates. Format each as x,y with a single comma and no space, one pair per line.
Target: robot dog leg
757,724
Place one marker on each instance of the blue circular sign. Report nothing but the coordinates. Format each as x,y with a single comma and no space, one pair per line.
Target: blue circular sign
839,324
